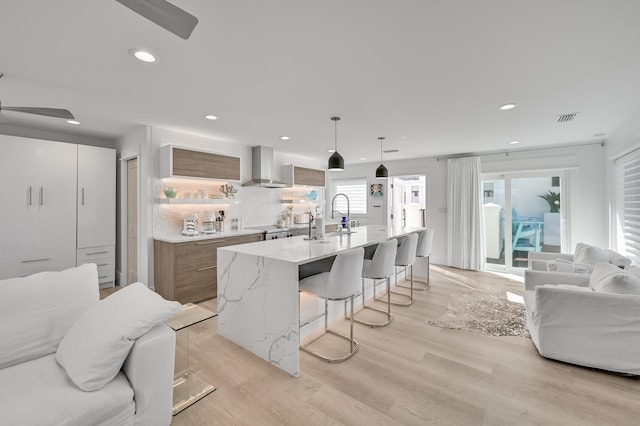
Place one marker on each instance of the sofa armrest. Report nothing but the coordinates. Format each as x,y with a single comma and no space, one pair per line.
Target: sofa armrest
537,261
533,279
149,368
589,328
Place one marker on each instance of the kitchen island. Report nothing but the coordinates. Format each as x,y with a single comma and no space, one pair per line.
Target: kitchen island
258,299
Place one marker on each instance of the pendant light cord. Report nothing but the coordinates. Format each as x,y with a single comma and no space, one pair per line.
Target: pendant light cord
381,139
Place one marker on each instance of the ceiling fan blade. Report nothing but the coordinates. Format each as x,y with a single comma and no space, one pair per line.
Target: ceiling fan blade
165,14
49,112
3,119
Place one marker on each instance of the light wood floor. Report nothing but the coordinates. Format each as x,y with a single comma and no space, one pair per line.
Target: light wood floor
410,373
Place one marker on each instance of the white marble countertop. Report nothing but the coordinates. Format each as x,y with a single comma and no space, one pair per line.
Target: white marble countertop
177,238
299,251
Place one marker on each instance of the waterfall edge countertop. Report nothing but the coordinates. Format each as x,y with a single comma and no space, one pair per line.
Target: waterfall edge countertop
258,300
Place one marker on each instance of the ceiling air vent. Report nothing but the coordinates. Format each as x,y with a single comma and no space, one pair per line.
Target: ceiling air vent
389,151
563,118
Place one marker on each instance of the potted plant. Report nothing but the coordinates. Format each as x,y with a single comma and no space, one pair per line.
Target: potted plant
553,198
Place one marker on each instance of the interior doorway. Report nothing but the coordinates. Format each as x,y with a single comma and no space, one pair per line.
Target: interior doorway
407,201
522,214
132,220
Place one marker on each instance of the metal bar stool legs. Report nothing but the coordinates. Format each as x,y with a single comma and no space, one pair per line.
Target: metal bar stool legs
373,308
354,345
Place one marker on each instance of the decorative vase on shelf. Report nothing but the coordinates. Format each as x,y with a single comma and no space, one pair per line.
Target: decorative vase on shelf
170,192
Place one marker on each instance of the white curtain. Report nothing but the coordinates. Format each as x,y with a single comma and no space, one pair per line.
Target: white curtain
464,232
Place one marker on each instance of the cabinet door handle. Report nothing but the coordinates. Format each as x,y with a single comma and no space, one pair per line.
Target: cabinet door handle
206,268
82,202
41,195
35,260
97,252
209,242
102,264
29,197
104,276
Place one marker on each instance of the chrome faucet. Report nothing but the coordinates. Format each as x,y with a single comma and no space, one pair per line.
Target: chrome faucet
333,210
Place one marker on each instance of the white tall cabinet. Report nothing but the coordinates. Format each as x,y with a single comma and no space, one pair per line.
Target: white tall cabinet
43,225
96,193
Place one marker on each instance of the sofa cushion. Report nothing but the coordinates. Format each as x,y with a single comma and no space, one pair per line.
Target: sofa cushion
94,349
617,259
601,271
562,265
620,283
37,311
590,255
38,392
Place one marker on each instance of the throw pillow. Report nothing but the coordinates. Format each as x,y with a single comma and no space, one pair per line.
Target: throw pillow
620,283
617,259
600,272
96,346
590,254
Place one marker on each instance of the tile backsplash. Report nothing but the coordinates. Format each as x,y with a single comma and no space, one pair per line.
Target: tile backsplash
255,205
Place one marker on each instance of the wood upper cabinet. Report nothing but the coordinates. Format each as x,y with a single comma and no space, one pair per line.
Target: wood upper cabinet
296,175
185,162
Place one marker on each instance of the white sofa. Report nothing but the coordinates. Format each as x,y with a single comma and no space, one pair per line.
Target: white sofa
584,319
36,313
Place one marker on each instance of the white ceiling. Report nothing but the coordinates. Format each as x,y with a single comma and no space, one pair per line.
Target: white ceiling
429,75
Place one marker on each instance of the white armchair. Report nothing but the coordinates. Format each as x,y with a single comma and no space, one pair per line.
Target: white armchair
585,257
584,319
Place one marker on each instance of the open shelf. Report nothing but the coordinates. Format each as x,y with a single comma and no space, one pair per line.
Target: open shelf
298,201
198,201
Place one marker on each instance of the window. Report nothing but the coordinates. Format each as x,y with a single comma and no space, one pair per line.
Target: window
628,205
356,190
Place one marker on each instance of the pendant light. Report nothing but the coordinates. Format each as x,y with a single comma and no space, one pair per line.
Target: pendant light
336,162
381,171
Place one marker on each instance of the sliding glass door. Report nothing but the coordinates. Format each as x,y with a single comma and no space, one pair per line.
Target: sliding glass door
521,214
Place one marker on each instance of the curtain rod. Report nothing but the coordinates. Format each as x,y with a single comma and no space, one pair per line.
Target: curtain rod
507,152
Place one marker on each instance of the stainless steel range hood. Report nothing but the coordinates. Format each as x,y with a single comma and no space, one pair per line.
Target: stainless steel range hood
262,169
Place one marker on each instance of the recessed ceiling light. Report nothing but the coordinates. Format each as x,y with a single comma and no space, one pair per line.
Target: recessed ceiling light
210,117
73,122
284,138
363,158
514,142
331,150
506,107
143,55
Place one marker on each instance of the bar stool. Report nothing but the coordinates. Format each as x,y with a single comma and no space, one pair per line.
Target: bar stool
425,244
405,257
380,267
341,283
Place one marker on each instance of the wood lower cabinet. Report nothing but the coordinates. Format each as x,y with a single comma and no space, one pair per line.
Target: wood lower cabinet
187,272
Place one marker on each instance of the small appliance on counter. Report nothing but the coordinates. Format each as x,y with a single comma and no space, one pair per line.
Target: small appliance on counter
189,224
209,222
